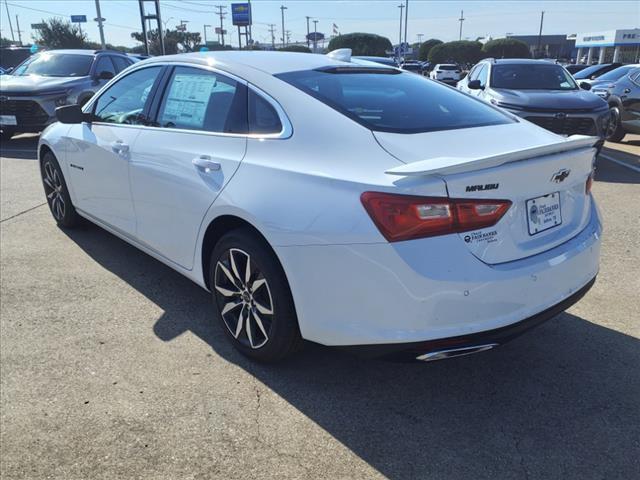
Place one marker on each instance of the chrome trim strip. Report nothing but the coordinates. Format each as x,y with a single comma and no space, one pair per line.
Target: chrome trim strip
455,352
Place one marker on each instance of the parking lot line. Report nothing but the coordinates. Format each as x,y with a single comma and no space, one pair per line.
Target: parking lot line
620,162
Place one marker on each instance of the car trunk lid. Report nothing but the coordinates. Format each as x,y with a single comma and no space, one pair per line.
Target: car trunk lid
544,176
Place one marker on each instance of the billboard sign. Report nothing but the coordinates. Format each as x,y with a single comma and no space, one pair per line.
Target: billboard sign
79,18
315,37
241,14
38,26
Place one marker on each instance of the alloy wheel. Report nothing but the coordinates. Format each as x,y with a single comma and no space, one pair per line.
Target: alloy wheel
244,298
614,120
53,189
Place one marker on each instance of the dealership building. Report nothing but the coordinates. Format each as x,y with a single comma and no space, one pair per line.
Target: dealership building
610,46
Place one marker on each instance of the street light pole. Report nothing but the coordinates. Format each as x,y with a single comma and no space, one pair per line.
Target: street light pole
284,36
406,20
13,38
99,19
308,18
461,19
315,36
540,34
205,34
401,7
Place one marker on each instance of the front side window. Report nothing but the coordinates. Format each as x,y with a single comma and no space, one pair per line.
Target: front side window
473,74
104,64
56,65
124,102
390,101
121,63
483,75
532,77
197,99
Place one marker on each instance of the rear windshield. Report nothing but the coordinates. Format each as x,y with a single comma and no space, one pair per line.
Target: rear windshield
448,67
390,101
56,65
532,77
587,72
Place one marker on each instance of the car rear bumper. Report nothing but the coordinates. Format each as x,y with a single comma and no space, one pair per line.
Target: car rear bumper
428,289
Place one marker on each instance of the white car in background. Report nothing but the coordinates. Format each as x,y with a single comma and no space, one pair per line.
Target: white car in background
446,72
324,199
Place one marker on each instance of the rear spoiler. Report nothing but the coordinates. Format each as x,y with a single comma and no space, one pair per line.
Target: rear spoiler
450,165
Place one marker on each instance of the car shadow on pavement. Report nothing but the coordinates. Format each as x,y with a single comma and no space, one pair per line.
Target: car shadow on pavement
23,147
609,172
560,402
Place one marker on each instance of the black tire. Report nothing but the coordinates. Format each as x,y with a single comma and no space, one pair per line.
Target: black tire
57,193
262,336
615,133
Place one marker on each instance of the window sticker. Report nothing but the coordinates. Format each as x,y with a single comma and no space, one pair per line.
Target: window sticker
186,105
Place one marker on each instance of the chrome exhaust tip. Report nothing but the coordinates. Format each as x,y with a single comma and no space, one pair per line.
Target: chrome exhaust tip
455,352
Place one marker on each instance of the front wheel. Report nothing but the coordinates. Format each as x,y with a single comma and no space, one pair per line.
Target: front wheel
55,188
252,297
614,132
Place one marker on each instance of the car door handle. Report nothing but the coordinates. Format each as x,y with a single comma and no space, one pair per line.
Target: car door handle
120,147
205,163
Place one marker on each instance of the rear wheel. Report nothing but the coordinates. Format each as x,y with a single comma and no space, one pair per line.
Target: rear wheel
252,297
55,188
614,132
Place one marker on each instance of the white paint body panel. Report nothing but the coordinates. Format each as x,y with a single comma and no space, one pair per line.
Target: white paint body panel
350,286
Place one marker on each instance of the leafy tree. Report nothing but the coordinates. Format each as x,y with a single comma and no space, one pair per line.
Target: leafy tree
362,44
5,42
462,51
425,48
295,48
60,33
190,40
506,48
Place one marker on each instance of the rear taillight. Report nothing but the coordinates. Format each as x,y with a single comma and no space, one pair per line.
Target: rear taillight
404,217
587,187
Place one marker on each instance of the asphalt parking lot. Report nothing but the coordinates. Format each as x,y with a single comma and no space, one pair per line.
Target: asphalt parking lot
112,368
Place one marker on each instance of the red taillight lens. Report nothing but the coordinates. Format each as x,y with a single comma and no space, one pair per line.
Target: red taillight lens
403,217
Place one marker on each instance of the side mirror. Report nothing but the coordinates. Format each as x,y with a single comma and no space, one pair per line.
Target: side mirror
475,85
105,75
9,70
585,86
70,114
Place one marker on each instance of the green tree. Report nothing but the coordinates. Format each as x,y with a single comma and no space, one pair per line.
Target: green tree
295,48
5,42
506,48
462,51
60,33
362,44
190,40
425,48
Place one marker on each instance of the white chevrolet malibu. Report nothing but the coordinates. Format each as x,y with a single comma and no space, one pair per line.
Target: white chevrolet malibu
349,204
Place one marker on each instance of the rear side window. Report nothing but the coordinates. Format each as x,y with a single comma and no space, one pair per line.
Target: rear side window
263,118
396,102
197,99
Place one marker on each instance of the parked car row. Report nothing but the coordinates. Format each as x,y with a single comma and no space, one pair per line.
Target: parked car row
46,80
546,94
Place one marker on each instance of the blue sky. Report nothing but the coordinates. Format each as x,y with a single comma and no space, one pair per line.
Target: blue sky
437,19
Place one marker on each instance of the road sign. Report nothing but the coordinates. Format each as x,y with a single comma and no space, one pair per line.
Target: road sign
99,19
241,14
38,26
79,18
220,31
315,37
181,28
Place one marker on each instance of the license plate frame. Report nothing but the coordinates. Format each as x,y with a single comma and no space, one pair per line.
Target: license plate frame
543,213
9,120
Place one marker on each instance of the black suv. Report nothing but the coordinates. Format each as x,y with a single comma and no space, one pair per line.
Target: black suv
623,98
30,94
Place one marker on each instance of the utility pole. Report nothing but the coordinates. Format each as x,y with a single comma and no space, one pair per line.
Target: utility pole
308,18
282,9
315,36
406,19
13,38
401,7
18,30
420,35
220,12
99,19
272,31
461,19
539,33
288,36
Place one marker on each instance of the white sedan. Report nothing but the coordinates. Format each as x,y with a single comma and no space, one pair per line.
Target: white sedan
328,199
